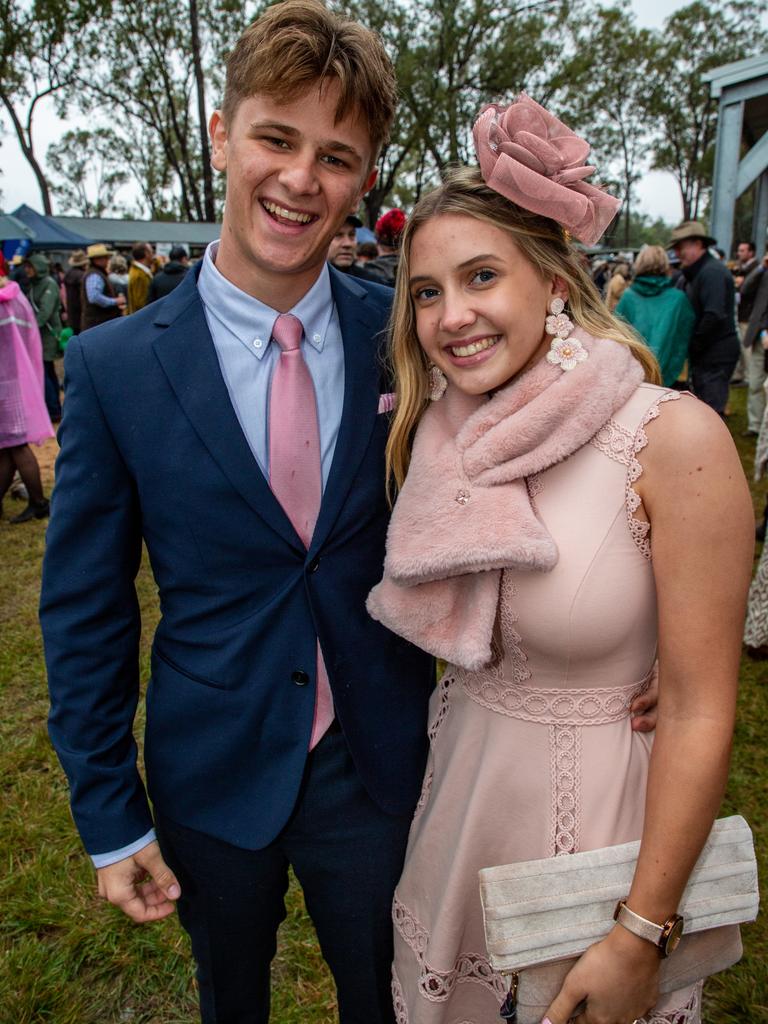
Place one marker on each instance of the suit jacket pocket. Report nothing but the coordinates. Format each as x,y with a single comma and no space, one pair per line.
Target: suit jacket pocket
213,683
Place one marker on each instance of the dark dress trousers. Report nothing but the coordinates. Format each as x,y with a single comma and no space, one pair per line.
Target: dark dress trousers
152,450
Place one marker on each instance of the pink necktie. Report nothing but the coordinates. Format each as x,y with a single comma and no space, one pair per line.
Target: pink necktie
294,466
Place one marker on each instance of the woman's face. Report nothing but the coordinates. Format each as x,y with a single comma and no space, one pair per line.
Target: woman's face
480,306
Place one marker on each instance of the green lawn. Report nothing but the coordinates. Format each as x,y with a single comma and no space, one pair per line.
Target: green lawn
69,959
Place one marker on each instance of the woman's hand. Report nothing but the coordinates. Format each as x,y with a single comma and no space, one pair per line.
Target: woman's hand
617,978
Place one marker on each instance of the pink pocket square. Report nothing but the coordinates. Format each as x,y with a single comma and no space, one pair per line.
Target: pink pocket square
387,402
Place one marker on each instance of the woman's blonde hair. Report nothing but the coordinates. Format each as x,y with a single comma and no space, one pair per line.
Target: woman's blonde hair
544,244
652,259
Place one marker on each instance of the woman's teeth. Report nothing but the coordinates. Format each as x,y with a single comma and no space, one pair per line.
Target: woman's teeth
280,211
475,346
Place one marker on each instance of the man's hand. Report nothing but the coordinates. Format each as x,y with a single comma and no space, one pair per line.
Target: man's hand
644,708
120,302
142,886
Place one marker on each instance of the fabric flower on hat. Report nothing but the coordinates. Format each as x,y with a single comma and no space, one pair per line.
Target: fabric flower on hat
532,158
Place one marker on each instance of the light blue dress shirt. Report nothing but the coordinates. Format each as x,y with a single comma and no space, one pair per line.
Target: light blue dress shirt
241,328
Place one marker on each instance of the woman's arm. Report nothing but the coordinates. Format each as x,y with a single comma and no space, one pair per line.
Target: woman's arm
702,535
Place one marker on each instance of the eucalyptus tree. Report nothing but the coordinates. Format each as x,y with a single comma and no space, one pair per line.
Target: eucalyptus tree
678,106
90,171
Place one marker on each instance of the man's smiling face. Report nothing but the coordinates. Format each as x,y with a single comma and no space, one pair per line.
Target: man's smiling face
293,176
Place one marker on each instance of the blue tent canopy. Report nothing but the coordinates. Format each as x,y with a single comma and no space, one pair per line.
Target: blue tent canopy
49,234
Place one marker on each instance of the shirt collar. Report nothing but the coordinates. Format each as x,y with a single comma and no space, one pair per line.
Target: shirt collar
251,320
144,267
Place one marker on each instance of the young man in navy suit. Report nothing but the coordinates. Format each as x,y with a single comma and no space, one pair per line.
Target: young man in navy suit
284,727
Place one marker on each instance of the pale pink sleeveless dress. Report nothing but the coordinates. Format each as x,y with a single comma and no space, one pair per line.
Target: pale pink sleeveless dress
534,757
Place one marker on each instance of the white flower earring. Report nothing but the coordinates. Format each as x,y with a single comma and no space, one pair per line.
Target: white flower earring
565,352
438,382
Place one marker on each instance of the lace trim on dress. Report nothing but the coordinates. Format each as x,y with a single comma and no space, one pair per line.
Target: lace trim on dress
688,1014
615,441
398,999
590,706
434,728
639,529
565,754
434,985
507,654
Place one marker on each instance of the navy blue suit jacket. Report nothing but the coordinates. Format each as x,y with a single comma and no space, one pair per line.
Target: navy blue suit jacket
151,450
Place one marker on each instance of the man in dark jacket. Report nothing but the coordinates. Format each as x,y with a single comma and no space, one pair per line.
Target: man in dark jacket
342,251
46,302
73,283
714,347
170,276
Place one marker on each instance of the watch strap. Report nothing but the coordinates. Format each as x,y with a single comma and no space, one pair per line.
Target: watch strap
638,925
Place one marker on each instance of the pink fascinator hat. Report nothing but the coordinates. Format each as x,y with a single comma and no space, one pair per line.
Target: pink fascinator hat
534,160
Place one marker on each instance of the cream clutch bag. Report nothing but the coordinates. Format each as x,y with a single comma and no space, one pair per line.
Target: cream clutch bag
541,914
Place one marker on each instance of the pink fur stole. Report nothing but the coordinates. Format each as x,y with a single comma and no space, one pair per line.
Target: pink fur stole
464,512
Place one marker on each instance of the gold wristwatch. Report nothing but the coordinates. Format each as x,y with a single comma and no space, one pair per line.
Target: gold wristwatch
665,937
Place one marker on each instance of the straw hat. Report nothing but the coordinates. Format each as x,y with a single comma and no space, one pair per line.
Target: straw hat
94,251
78,258
691,229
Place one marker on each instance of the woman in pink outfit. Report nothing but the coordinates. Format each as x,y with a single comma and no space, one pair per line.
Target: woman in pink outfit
24,418
562,523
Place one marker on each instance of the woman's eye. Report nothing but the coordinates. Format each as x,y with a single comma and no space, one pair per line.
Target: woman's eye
424,294
483,276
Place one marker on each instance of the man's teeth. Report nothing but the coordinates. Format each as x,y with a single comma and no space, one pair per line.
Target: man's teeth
280,211
475,347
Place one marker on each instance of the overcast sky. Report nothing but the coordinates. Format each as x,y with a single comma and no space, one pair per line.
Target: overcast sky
657,192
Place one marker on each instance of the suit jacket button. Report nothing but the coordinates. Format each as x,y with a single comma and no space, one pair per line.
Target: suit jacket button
314,565
299,677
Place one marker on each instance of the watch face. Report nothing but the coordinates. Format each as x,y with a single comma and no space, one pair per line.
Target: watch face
673,932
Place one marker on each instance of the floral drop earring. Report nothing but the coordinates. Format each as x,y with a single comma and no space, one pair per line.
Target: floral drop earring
438,382
565,352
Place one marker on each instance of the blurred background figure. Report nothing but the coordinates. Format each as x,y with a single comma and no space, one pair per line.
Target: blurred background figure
342,252
714,346
45,300
24,418
366,251
117,274
617,285
747,277
660,313
98,296
389,229
73,285
139,276
170,276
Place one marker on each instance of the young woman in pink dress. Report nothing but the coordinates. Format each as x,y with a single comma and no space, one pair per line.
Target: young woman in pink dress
561,523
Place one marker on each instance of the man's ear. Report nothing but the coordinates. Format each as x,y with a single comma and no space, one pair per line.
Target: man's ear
368,184
218,133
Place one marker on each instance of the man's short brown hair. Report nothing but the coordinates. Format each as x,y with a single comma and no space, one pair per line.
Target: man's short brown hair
297,44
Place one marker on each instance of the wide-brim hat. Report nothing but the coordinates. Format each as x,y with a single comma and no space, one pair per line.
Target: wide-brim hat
691,229
94,251
78,258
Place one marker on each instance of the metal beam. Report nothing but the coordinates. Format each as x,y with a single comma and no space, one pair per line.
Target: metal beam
724,192
744,90
760,217
752,165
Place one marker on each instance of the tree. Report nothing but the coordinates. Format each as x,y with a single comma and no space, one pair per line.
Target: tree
156,74
38,59
90,171
697,38
602,85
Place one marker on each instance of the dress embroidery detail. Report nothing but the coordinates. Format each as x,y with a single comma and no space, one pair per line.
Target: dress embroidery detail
507,655
434,728
398,999
638,528
565,754
688,1014
593,706
615,441
434,985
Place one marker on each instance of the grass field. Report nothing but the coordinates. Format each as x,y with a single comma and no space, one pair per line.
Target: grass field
66,958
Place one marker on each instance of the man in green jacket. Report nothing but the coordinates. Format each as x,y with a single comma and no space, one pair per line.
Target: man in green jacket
46,302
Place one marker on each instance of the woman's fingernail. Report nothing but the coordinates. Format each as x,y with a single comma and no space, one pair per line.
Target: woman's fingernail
546,1021
174,892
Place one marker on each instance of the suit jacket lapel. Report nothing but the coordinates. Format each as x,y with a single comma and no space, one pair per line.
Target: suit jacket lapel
188,357
359,323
